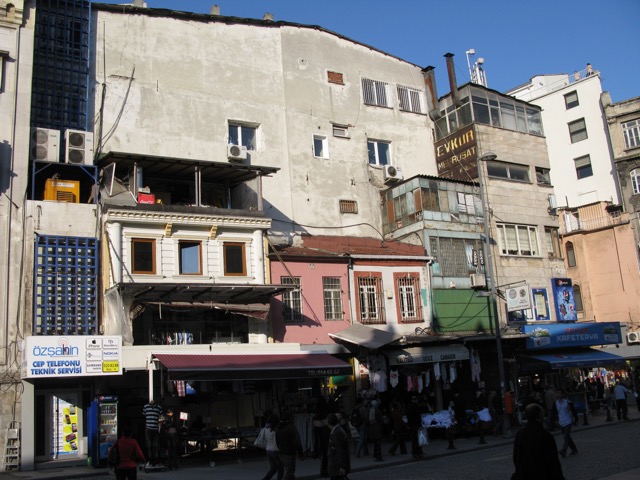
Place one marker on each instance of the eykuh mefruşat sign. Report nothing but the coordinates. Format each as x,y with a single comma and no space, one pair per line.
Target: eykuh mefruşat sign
457,155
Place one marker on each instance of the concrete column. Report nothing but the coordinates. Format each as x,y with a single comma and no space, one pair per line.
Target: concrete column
258,263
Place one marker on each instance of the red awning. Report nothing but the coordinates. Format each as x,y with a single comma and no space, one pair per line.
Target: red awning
256,367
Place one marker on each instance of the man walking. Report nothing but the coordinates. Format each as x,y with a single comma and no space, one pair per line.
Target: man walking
289,444
620,392
535,454
152,412
566,416
338,458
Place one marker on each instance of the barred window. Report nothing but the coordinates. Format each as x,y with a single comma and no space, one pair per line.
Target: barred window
370,300
409,99
332,298
375,92
292,300
348,206
409,298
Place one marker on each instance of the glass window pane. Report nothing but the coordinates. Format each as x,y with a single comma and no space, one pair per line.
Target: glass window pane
189,257
249,137
143,261
371,150
234,259
508,115
517,172
383,153
481,113
233,135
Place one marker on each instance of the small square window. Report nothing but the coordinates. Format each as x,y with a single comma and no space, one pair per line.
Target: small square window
234,259
583,167
320,146
379,153
578,131
189,257
348,206
143,256
341,131
542,176
243,135
571,100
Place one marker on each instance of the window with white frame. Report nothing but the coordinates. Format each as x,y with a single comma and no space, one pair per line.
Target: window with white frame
631,133
244,135
292,300
521,240
320,146
371,300
571,100
409,303
583,166
635,180
375,92
409,99
379,152
332,291
578,131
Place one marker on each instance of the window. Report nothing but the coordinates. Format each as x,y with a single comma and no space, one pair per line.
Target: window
320,146
552,240
189,257
332,290
571,100
409,99
234,259
242,135
519,240
143,255
371,302
583,167
519,173
292,300
635,181
348,206
375,92
505,112
409,302
578,131
335,77
631,133
341,131
577,297
571,254
456,257
543,176
379,153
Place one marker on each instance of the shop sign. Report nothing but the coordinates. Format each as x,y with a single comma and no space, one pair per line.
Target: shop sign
556,335
518,298
456,155
75,355
410,356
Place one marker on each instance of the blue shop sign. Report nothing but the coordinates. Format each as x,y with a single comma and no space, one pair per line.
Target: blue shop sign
559,335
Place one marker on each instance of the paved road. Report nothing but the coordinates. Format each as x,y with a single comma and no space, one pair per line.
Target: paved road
603,452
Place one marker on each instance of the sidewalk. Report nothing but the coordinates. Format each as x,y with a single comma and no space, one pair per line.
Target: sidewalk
254,464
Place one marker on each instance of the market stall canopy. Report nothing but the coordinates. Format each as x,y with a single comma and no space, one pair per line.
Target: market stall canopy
433,354
252,367
567,359
364,336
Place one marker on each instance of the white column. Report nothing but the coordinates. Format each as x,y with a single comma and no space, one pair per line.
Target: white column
114,232
258,263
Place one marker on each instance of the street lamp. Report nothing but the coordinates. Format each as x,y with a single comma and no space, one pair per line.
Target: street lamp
491,284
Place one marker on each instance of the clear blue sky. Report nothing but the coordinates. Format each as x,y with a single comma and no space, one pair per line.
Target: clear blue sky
517,39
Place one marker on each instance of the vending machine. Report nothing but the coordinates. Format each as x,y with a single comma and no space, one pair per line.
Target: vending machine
102,428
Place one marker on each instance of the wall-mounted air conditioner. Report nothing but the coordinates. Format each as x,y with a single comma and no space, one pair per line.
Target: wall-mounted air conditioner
392,174
633,337
478,280
45,144
236,153
78,147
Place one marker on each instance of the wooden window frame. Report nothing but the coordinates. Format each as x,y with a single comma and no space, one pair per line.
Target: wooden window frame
243,247
151,241
192,243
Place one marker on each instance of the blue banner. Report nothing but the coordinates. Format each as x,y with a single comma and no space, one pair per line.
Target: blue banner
556,335
563,297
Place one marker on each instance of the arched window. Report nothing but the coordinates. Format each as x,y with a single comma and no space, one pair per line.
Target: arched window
635,180
577,296
571,256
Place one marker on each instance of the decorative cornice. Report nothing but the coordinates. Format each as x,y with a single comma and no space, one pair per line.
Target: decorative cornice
172,218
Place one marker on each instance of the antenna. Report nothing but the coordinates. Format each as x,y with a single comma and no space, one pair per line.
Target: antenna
476,72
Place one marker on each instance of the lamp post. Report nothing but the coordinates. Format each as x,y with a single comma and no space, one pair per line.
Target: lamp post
489,274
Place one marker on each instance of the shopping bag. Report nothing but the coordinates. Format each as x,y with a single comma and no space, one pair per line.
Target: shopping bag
261,439
422,438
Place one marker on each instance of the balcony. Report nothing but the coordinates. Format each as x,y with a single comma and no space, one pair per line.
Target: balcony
591,218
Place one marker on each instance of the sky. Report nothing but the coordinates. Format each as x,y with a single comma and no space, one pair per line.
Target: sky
517,39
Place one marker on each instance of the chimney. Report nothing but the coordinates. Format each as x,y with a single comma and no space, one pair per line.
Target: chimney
429,75
453,83
268,17
215,10
140,3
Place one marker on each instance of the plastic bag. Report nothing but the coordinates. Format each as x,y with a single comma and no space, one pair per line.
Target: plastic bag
261,439
422,438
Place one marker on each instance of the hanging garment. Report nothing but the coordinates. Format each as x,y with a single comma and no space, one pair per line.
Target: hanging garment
420,383
394,378
475,365
444,371
436,370
409,383
452,372
180,387
427,376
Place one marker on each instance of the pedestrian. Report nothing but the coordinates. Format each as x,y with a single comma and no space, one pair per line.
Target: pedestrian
566,416
129,454
399,429
362,448
620,392
375,429
152,413
535,455
338,457
289,445
273,455
321,434
414,420
549,401
171,438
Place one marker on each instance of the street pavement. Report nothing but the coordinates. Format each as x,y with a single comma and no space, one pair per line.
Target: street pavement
437,455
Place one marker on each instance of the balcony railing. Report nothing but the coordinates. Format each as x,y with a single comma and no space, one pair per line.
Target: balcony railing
574,224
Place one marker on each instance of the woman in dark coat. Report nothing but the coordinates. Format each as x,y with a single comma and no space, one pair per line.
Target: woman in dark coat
338,455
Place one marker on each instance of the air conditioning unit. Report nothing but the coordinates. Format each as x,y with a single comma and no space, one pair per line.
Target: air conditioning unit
236,153
478,280
78,147
45,144
62,190
633,337
392,174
